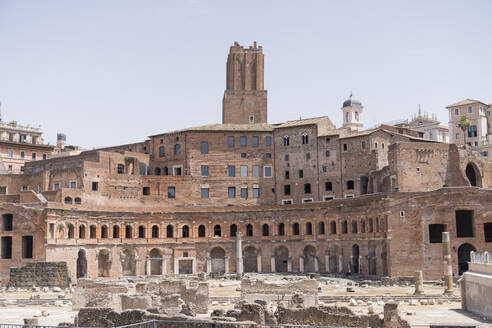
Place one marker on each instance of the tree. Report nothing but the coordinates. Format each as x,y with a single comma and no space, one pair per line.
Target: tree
464,124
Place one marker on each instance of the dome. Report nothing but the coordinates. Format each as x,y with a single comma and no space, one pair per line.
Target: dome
351,102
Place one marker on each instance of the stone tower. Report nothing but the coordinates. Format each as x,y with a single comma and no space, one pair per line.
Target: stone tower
352,114
245,99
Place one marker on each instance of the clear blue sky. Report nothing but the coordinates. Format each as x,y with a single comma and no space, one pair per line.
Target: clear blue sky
113,72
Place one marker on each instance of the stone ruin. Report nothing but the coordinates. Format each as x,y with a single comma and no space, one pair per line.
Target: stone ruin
165,296
40,274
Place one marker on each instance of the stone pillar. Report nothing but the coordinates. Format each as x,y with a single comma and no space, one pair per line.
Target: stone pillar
340,264
176,266
272,264
289,264
239,255
448,268
258,262
316,265
193,266
209,264
419,283
164,267
226,264
137,267
327,263
301,264
147,266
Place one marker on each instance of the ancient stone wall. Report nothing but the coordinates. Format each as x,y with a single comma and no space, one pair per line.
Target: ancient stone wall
40,274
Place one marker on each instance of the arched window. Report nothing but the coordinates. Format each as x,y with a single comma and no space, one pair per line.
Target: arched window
92,232
81,231
371,227
281,229
120,169
233,230
201,231
128,232
295,229
265,230
71,230
286,140
344,226
169,231
116,231
333,227
377,225
141,232
309,228
321,228
217,231
157,171
249,230
185,231
166,171
155,231
104,231
68,200
77,201
354,226
363,226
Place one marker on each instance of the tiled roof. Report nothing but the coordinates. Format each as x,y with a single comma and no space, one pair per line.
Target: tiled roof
465,102
224,127
324,124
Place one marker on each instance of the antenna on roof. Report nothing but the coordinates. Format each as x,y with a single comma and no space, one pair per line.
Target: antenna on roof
420,111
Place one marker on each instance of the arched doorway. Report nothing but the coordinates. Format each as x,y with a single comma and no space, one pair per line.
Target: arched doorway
103,263
217,256
464,257
473,175
250,259
355,259
309,254
155,259
372,263
128,265
333,254
281,259
81,264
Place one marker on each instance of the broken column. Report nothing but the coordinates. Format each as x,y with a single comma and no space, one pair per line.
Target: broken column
239,255
419,283
448,268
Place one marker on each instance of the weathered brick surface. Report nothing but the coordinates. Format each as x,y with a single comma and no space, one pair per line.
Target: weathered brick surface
42,274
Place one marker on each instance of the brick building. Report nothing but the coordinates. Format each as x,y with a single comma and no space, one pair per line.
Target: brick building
305,195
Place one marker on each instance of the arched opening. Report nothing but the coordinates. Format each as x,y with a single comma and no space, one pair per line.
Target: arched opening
217,256
233,230
169,231
355,259
81,231
81,264
201,231
363,226
281,259
128,265
309,254
155,231
464,257
217,231
92,232
128,232
103,263
295,229
71,230
141,232
473,175
104,231
371,227
333,227
68,200
77,201
116,231
250,259
157,171
372,264
321,228
249,230
333,254
166,170
185,231
281,229
155,259
364,181
354,226
377,225
265,230
309,228
344,226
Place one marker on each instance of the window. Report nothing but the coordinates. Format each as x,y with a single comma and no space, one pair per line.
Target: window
327,198
141,232
354,226
255,141
265,230
177,149
162,151
10,168
231,192
464,223
456,111
22,154
244,170
327,153
128,232
487,230
287,175
327,140
56,186
155,231
286,140
321,228
301,174
308,156
185,231
217,231
233,230
169,231
363,145
120,169
7,222
177,171
309,228
230,141
457,136
251,119
77,201
268,155
256,171
166,170
204,147
24,188
350,184
231,170
94,186
6,247
286,201
73,184
171,192
295,229
345,147
204,170
242,141
307,188
146,191
333,227
344,227
268,141
267,171
249,230
435,232
33,155
243,155
3,190
305,139
328,186
204,192
382,146
286,157
68,200
11,153
281,229
256,192
472,131
244,193
470,110
286,189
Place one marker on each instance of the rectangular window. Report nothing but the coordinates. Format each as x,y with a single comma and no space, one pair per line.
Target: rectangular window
457,136
256,171
243,155
287,190
44,156
204,169
24,188
363,145
487,230
10,168
324,168
244,193
256,192
345,147
456,111
328,186
464,223
6,247
33,155
267,172
171,192
287,157
94,186
56,186
308,156
231,170
244,170
73,184
22,154
287,175
435,233
327,140
230,141
242,141
27,247
177,149
162,151
204,147
231,192
3,190
11,153
286,201
22,168
268,155
470,110
204,192
255,141
472,131
307,188
301,174
268,141
146,191
327,153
